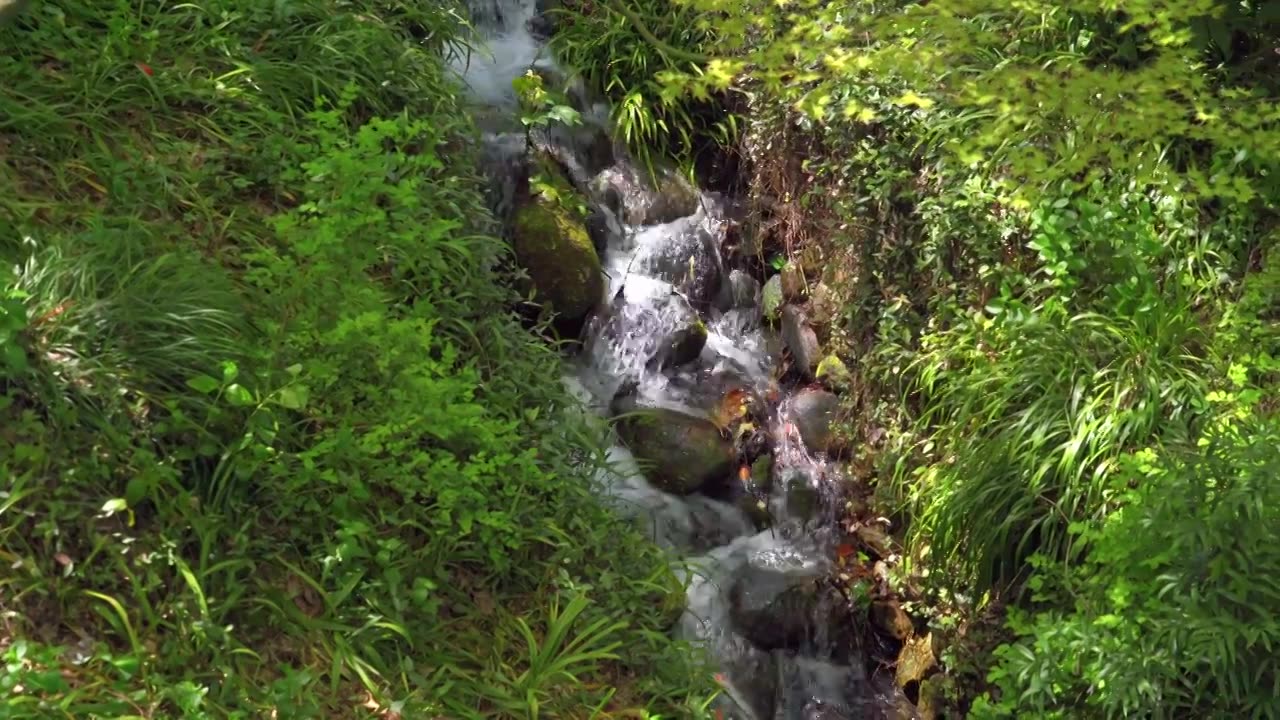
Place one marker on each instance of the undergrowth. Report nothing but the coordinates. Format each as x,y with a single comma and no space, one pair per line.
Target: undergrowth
1057,293
611,44
272,443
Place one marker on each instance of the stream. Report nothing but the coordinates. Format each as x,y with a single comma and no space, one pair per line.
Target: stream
720,462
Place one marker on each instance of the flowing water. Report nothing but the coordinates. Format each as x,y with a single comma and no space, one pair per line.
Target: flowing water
760,549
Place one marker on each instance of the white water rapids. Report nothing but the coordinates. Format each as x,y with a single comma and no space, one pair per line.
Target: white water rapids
812,671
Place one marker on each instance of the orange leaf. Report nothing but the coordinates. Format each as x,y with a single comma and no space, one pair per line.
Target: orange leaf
844,550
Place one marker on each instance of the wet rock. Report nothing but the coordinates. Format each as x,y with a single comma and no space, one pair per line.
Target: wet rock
810,689
762,472
932,698
679,453
689,260
556,251
791,609
833,373
889,617
753,677
682,347
800,340
586,146
644,202
739,291
798,497
752,503
771,298
653,332
673,197
812,411
915,661
604,229
793,282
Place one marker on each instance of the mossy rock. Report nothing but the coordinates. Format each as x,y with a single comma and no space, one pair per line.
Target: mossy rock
680,453
833,373
771,299
553,246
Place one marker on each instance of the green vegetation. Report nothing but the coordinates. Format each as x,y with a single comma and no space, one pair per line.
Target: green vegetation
624,50
1050,228
272,444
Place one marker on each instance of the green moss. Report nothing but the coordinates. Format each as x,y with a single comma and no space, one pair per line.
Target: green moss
553,246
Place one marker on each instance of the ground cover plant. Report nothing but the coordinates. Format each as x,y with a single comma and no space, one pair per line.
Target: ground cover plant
272,443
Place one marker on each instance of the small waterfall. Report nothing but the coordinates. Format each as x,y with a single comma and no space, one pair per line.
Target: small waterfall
760,540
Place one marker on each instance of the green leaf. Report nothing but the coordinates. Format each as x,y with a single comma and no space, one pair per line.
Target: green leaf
238,395
293,397
114,505
136,490
203,384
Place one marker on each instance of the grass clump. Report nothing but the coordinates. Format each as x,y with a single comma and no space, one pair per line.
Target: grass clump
271,442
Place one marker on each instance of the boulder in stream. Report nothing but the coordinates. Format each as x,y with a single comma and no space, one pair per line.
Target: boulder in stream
681,348
554,248
688,259
812,411
739,291
679,453
791,608
644,201
800,340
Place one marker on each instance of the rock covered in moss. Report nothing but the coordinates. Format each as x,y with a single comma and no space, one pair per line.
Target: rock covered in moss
771,298
833,373
679,453
554,248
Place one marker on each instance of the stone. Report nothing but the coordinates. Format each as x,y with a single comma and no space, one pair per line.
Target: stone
681,348
771,298
673,197
762,473
688,260
888,617
813,689
679,453
555,249
646,202
933,698
738,291
604,229
791,608
914,661
812,411
800,340
793,282
798,498
823,304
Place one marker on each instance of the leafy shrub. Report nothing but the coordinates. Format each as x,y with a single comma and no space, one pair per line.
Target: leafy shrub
1028,408
624,49
1174,613
1055,91
272,441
